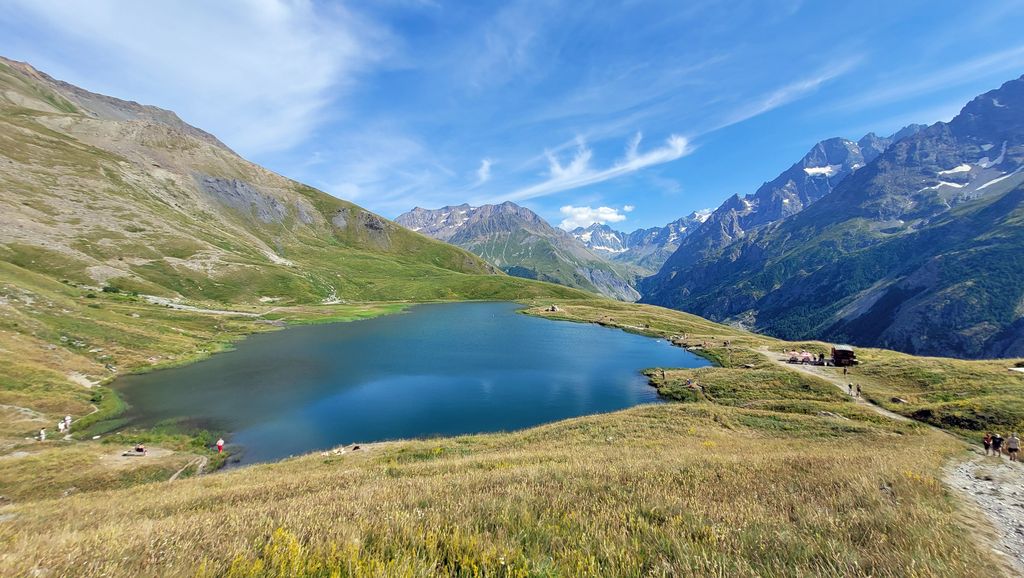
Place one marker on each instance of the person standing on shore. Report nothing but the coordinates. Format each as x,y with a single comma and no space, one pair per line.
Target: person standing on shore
220,445
1013,447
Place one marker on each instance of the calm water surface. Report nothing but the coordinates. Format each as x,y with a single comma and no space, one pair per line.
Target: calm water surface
434,370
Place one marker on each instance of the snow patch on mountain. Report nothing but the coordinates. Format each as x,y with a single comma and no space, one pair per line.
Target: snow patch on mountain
957,169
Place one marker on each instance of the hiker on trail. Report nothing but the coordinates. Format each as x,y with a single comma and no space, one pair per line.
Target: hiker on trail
67,423
220,445
997,445
1013,447
849,387
987,442
846,370
42,434
858,390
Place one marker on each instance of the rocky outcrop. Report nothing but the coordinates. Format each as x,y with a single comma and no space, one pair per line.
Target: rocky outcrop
243,197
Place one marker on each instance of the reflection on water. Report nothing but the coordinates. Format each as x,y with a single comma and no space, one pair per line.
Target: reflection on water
435,370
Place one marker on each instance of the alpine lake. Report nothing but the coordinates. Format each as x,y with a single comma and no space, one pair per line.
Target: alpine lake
433,370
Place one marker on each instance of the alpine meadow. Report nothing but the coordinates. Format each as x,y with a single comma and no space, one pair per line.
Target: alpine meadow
590,289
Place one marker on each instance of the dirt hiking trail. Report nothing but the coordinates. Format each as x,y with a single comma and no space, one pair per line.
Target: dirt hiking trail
992,488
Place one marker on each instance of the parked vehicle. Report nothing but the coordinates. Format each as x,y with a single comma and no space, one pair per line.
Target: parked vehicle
843,356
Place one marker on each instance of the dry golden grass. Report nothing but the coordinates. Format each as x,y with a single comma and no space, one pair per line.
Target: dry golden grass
963,397
673,489
56,468
771,474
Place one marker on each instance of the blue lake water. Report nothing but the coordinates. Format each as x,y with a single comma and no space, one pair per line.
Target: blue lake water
434,370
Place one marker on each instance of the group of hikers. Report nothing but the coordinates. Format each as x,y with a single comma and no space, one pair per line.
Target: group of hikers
63,427
996,445
853,390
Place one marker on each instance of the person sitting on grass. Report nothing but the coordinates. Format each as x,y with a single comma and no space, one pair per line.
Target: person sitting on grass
140,449
1013,447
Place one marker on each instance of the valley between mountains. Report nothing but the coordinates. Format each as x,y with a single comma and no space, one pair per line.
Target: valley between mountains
131,242
910,242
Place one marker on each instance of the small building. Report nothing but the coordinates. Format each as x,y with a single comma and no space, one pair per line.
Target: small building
843,356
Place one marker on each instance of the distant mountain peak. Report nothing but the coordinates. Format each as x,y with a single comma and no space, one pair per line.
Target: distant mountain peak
520,242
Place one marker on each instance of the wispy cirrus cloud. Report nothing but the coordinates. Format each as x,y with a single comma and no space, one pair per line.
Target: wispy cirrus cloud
786,94
578,172
909,86
586,216
261,74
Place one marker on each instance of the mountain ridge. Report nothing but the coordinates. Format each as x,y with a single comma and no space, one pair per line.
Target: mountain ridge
521,243
647,248
102,191
885,259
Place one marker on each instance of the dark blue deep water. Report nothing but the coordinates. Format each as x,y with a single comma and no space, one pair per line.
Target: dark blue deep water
433,370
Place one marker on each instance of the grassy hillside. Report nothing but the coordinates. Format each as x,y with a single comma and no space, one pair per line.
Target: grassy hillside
157,207
966,397
765,471
663,490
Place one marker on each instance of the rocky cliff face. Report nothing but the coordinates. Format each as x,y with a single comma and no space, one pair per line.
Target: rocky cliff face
521,243
921,250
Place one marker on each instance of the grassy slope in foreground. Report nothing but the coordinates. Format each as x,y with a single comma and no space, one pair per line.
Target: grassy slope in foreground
786,479
671,489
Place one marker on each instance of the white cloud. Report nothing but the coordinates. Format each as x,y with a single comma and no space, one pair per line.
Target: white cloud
586,216
257,73
578,172
628,208
483,174
787,94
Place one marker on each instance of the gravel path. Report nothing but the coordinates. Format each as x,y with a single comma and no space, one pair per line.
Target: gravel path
170,303
818,371
996,487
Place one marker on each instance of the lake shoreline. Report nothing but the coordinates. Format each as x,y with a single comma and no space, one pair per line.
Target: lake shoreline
314,316
109,418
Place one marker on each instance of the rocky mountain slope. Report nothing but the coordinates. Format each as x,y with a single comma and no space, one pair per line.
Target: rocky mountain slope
920,250
809,179
521,243
647,249
109,193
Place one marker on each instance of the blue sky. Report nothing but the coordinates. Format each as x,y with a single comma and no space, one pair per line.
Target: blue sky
569,107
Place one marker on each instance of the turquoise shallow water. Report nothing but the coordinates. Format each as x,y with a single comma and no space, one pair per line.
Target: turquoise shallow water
434,370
